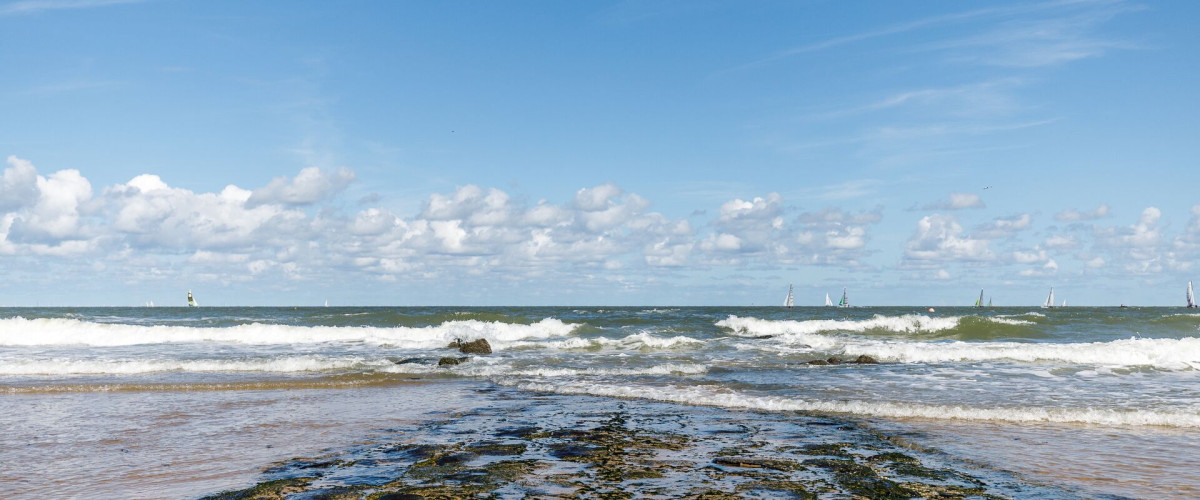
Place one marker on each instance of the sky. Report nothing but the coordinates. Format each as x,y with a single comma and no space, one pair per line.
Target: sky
472,153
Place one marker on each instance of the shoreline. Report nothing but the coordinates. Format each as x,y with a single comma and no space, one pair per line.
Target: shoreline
525,444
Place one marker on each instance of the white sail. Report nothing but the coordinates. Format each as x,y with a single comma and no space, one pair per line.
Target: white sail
979,301
845,302
788,301
828,303
1191,298
1049,299
1064,303
191,301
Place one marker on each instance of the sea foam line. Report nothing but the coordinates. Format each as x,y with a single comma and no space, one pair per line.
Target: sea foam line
130,367
731,399
60,331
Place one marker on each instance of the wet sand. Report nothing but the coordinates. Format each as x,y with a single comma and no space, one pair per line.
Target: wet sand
529,445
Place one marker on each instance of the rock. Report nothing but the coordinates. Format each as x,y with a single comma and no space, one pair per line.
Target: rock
865,360
756,463
818,362
479,346
400,496
451,361
834,361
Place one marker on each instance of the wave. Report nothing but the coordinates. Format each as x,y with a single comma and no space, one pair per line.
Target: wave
133,367
637,341
730,399
336,382
916,325
1170,354
62,331
486,367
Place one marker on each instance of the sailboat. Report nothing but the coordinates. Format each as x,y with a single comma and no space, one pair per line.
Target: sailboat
788,301
1191,299
845,302
828,303
191,301
989,302
1049,300
1064,304
979,301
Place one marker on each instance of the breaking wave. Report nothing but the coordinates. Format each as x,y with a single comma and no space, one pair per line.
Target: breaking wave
910,325
731,399
61,331
131,367
1169,354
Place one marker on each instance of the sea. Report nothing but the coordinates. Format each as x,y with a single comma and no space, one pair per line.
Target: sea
164,402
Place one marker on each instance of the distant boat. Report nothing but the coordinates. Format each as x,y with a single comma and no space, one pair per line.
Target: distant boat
191,301
989,302
979,301
1049,300
1064,304
326,302
786,302
845,302
150,304
1191,298
828,303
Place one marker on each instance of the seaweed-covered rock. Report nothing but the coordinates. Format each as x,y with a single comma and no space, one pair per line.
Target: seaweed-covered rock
757,463
834,361
477,346
451,361
865,360
818,362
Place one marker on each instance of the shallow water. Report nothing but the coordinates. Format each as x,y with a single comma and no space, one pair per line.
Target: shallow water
1104,393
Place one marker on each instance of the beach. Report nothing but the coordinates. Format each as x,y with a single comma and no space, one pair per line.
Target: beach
599,403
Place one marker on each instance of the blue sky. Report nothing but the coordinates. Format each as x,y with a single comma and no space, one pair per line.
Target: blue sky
565,153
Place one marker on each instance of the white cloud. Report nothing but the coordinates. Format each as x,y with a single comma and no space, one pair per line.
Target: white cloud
1077,216
310,186
939,239
18,185
957,201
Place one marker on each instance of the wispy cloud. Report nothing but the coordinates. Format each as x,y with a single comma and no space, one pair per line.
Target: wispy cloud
34,6
1060,42
1068,36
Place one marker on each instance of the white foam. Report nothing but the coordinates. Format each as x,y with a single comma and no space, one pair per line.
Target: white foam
731,399
908,323
59,331
489,367
1171,354
134,366
635,341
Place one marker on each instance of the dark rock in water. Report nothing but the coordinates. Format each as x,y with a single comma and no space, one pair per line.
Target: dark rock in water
568,451
454,458
400,496
757,463
451,361
818,362
404,361
834,361
518,432
479,346
865,360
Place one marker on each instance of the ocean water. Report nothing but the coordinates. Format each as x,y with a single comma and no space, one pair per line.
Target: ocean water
176,402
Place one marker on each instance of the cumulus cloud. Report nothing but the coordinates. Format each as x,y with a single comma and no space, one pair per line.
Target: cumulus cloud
1003,227
1139,247
758,230
940,238
957,201
1078,216
309,186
